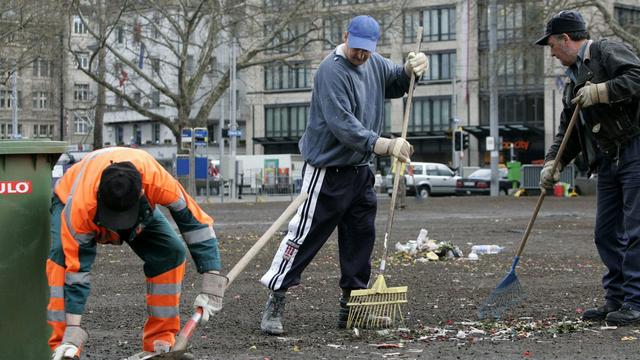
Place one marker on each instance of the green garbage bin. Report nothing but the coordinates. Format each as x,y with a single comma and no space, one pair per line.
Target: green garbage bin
513,174
25,196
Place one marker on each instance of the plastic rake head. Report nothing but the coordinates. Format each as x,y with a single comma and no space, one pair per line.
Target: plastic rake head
507,294
376,308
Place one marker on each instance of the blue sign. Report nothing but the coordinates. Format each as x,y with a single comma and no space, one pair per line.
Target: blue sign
186,134
201,136
237,133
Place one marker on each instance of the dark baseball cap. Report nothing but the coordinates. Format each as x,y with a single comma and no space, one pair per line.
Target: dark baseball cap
119,196
364,33
565,21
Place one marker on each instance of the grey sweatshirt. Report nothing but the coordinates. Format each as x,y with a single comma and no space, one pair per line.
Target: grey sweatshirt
347,109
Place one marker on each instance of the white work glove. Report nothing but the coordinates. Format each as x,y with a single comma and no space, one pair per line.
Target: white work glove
591,94
398,147
210,299
547,179
72,340
416,63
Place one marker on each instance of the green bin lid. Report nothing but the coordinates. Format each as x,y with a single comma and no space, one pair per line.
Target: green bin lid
11,147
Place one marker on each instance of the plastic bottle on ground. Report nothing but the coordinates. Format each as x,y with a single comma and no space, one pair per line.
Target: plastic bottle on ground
486,249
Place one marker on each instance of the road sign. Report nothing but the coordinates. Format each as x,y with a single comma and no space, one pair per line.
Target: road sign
237,133
186,138
200,136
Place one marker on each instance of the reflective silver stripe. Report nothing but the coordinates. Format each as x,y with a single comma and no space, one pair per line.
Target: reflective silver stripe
84,239
56,292
71,278
164,312
163,289
198,236
55,315
177,205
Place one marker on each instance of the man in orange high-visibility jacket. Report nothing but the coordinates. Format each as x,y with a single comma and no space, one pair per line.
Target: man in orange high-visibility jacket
111,197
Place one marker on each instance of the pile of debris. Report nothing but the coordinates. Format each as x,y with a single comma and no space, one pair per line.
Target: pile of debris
424,249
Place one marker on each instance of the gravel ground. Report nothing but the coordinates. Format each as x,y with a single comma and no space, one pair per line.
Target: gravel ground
560,272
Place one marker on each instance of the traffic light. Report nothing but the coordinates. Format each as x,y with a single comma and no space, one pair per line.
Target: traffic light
457,140
465,141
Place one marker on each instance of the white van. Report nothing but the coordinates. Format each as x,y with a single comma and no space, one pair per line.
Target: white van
428,178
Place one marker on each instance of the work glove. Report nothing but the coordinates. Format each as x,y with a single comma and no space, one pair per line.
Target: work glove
591,94
210,299
398,147
416,63
72,340
547,179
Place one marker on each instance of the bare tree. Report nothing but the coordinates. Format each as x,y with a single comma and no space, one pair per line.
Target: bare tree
27,31
162,54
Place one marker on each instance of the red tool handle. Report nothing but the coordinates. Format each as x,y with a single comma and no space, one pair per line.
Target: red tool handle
182,339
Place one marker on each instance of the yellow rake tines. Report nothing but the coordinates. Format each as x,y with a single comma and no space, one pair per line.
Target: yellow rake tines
378,307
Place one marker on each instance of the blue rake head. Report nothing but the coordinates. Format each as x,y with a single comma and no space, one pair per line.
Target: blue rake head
507,294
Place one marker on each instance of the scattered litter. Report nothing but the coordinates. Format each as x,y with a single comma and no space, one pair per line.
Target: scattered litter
356,332
387,346
486,249
608,327
424,248
461,334
336,346
629,338
472,256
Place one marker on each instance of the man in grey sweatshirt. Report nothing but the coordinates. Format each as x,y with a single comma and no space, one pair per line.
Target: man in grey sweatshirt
345,120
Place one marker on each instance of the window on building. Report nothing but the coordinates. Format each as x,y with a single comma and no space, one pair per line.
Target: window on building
41,68
137,135
286,121
137,97
525,108
51,129
439,24
3,131
442,66
119,135
155,99
81,92
628,17
40,100
191,64
430,114
329,3
516,21
35,131
287,76
80,125
79,26
288,39
43,131
212,65
333,29
83,60
120,35
6,99
155,66
155,130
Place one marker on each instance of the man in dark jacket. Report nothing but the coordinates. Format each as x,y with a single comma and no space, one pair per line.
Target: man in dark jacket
605,81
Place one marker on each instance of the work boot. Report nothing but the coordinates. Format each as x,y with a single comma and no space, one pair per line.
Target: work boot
343,314
625,316
599,313
272,316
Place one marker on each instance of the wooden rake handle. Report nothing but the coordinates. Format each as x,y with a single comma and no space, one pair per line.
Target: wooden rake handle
543,192
398,170
182,339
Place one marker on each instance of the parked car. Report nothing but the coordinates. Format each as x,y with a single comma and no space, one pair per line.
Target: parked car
479,183
430,178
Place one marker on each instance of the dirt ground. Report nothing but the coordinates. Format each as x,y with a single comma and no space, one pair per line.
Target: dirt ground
560,271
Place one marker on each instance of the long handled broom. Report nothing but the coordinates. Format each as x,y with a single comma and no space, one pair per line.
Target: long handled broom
509,291
380,306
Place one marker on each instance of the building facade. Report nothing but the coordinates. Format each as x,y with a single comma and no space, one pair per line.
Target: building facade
453,94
